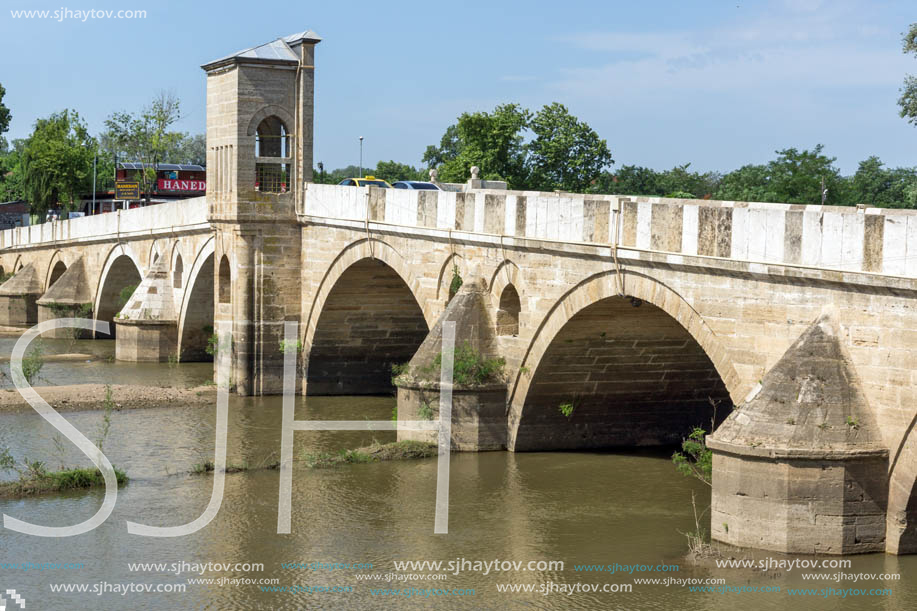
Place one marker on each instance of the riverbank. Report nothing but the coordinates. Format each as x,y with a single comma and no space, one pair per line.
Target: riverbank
85,397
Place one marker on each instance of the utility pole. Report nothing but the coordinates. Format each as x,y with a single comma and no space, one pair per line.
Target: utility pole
361,157
824,191
94,158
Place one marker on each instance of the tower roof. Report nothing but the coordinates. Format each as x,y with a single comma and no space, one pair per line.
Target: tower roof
277,51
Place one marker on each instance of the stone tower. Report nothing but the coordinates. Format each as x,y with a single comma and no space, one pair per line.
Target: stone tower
259,155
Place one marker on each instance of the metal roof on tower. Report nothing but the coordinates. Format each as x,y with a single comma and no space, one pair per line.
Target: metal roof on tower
277,51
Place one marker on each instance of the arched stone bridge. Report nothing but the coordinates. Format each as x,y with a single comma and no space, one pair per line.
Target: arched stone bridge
641,312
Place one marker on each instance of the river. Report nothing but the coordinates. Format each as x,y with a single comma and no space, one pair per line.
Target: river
581,508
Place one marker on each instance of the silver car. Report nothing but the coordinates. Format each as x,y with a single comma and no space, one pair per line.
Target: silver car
415,185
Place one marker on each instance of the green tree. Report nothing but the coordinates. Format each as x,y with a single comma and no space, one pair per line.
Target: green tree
565,153
629,180
188,148
145,137
392,171
875,185
908,99
5,117
491,141
56,162
11,173
750,183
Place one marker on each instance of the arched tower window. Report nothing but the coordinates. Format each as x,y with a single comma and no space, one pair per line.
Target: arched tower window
508,314
225,281
272,157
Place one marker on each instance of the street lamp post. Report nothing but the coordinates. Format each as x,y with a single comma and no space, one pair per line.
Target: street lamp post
361,156
321,172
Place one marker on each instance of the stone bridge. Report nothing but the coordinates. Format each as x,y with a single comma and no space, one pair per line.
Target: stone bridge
642,317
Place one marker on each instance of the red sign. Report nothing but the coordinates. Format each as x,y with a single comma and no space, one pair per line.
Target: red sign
166,184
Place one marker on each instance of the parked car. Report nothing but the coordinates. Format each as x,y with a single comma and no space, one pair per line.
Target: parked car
417,185
366,181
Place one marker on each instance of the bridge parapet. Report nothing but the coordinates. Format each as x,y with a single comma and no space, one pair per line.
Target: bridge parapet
186,214
872,240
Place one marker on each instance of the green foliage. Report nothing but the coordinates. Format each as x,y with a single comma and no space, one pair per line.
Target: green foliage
33,361
56,162
470,368
395,414
456,282
853,423
145,137
425,411
108,406
326,459
7,462
875,185
212,343
565,152
695,459
286,346
5,115
492,141
908,99
125,295
392,171
397,370
567,408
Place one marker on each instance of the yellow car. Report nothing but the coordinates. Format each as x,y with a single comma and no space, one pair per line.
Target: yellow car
366,181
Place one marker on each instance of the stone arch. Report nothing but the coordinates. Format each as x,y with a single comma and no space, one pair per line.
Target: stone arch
508,311
18,265
195,323
225,280
56,269
122,269
155,252
365,316
682,338
506,275
445,275
264,113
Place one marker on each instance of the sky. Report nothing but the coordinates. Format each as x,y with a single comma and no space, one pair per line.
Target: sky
717,84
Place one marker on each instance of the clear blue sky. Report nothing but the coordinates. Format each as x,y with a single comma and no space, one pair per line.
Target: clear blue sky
718,84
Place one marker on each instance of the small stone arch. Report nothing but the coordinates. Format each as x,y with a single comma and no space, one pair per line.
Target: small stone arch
155,253
453,262
225,280
508,311
178,270
265,112
56,269
600,287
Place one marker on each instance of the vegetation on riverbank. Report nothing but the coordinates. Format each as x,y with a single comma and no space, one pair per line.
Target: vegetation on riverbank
36,479
378,452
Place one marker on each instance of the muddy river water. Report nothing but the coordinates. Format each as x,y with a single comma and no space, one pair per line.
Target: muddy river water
581,508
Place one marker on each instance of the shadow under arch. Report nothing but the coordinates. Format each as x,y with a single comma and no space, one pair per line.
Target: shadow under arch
122,269
195,322
616,360
56,269
364,318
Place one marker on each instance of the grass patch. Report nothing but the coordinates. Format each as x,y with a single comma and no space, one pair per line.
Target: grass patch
40,481
208,466
377,452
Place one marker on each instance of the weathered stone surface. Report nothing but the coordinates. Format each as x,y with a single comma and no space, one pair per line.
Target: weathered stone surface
478,409
800,467
19,296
